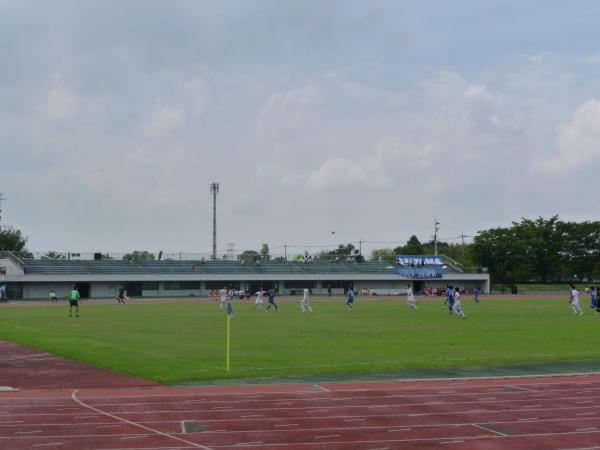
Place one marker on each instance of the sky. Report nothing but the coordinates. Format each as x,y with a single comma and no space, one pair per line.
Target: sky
365,118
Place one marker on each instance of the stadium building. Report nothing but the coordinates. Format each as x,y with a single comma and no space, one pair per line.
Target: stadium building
35,278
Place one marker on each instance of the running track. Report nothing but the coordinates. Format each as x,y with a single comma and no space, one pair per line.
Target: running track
47,402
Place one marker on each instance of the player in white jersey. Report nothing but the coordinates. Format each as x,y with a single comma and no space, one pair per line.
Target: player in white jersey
258,304
574,301
410,298
223,298
304,305
456,308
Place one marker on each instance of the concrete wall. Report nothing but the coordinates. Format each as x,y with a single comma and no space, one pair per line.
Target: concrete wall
11,268
41,290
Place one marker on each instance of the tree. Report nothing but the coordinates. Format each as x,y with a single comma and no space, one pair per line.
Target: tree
12,240
413,247
341,250
249,256
264,252
139,255
387,254
53,255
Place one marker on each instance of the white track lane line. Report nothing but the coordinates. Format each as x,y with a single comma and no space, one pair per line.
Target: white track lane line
193,444
489,429
321,388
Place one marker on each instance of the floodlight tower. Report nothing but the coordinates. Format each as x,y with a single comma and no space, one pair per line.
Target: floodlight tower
214,189
2,197
436,228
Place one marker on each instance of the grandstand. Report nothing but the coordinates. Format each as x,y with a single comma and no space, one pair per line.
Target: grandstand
34,278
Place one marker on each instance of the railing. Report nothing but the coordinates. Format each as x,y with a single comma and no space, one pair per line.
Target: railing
10,255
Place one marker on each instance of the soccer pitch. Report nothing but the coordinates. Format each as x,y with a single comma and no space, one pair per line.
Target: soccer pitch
184,342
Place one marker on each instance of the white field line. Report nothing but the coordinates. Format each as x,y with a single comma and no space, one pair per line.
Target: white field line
193,444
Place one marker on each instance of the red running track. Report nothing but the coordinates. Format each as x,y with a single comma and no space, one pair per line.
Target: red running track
113,411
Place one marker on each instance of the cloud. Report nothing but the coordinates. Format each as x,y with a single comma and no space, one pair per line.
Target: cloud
578,143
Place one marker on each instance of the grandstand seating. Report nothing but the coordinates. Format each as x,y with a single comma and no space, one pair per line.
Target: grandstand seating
91,267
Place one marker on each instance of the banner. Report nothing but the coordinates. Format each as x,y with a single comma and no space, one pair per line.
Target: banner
420,260
420,272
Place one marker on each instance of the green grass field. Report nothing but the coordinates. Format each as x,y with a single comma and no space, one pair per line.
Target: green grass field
180,342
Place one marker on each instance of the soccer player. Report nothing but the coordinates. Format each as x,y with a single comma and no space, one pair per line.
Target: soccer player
121,297
456,308
304,303
223,297
476,293
272,301
450,298
574,301
410,297
52,296
593,298
350,300
74,301
258,304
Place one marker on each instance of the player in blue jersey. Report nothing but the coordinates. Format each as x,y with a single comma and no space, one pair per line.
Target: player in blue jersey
272,301
350,300
450,298
476,293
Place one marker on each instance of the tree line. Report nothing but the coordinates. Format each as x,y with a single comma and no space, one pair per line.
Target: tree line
531,250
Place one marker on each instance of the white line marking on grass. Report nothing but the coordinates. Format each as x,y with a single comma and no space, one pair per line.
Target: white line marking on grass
44,445
321,388
193,444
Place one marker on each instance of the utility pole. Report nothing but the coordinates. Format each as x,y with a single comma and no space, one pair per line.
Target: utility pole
360,246
230,247
285,246
436,228
462,237
214,189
